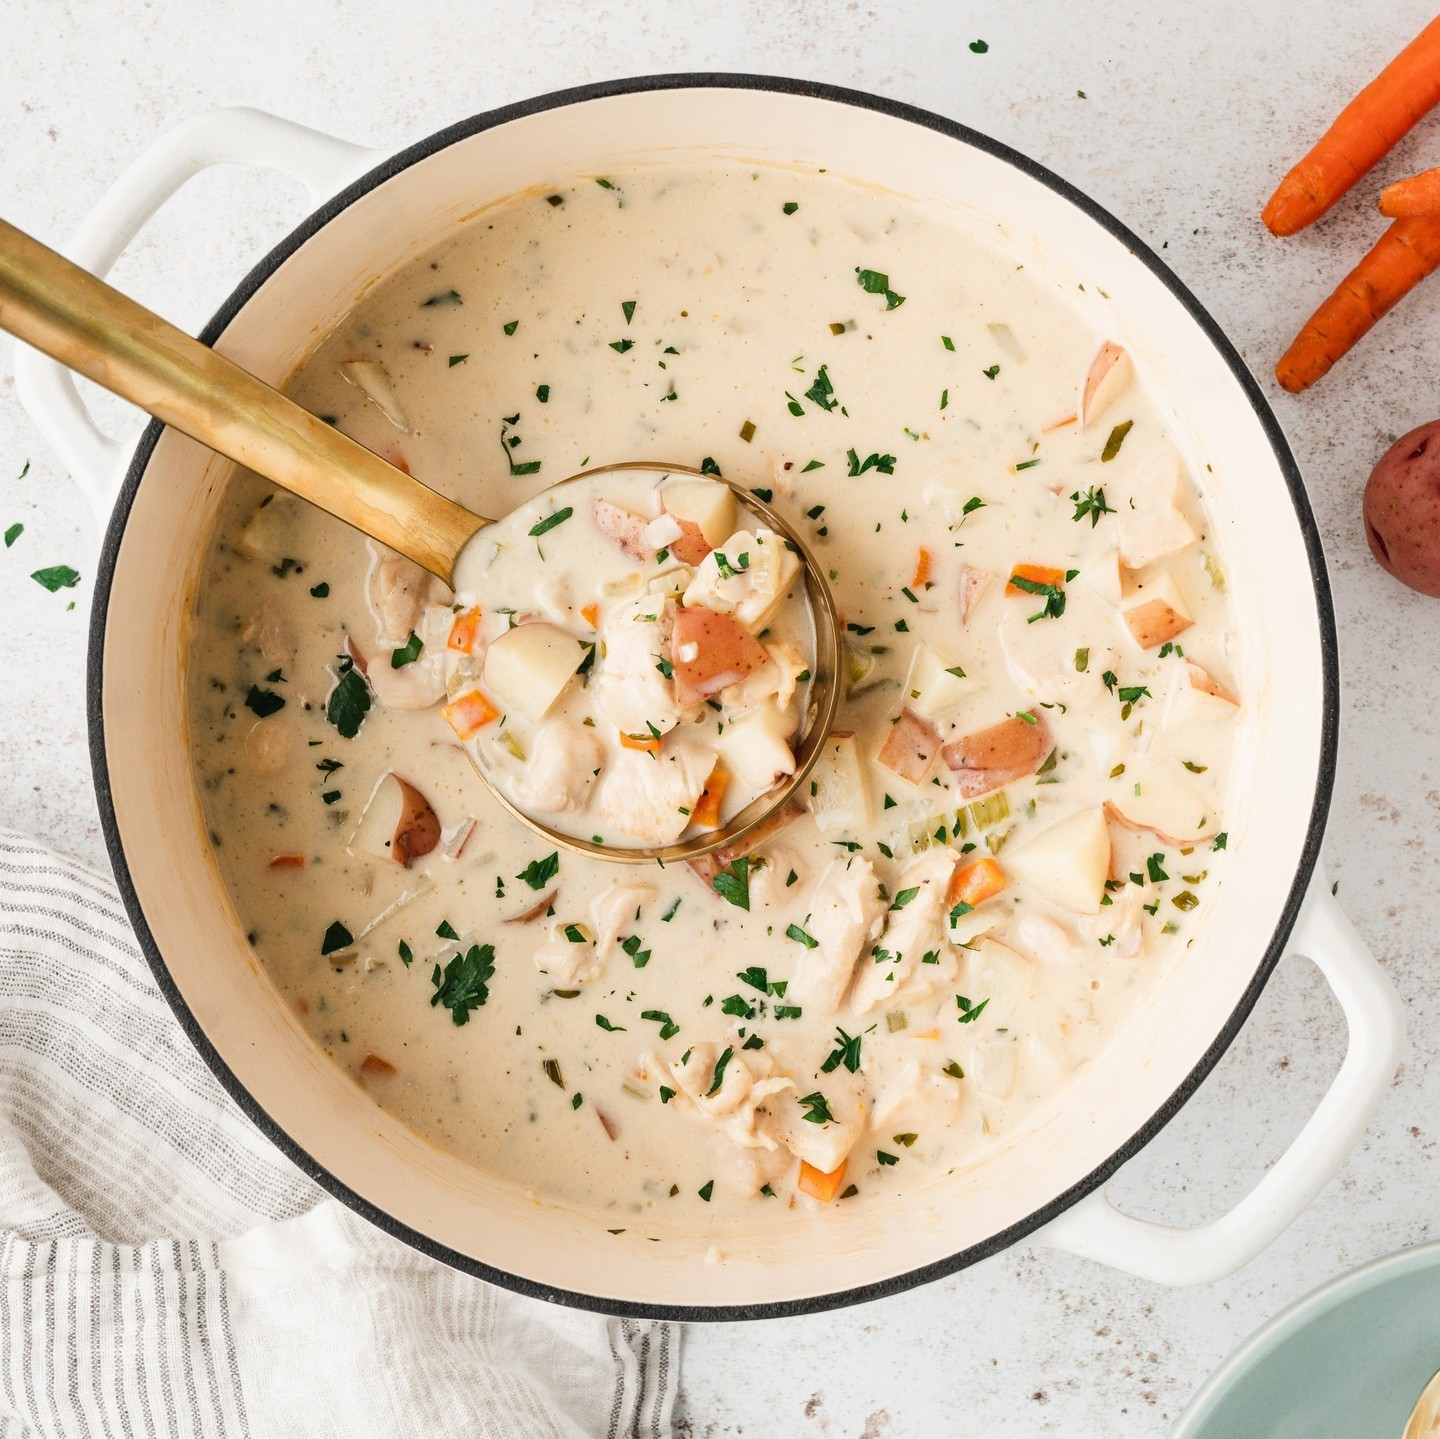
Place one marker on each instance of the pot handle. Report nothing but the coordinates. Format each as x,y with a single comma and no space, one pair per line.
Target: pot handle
239,135
1097,1230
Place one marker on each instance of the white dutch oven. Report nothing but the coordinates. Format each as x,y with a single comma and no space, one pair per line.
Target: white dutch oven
1045,1181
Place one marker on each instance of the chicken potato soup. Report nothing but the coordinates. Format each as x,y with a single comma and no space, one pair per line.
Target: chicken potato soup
1008,841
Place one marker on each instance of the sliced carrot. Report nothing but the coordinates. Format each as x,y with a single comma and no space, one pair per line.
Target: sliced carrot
1060,424
645,743
468,714
925,1034
1037,575
923,565
1402,257
819,1185
1363,132
464,631
975,883
288,861
591,614
707,808
379,1068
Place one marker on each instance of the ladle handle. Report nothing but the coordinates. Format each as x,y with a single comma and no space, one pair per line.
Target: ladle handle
96,331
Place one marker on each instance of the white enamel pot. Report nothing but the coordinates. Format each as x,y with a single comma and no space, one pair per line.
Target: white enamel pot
1045,1181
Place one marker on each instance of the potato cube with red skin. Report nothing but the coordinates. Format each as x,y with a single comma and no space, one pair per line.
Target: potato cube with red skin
709,651
622,526
691,546
991,758
910,747
973,583
1109,374
1157,612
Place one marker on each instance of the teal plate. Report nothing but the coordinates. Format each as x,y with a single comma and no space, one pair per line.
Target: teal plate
1348,1361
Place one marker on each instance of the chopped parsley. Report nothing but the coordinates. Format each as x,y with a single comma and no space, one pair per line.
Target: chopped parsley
263,702
733,884
874,283
1054,595
320,591
457,360
822,393
886,1158
969,1013
348,704
904,897
1221,840
57,577
991,372
846,1052
718,1076
800,936
446,930
444,300
1155,868
790,207
509,440
817,1108
978,47
706,1190
631,945
407,955
629,308
463,984
539,872
604,1023
668,1028
13,534
408,653
511,326
884,464
1092,502
337,937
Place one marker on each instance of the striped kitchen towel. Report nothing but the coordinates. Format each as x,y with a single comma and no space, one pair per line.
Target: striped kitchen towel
165,1273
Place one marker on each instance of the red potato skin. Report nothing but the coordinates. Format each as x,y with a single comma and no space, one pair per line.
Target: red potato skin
418,831
910,747
991,758
727,653
1402,510
626,529
692,546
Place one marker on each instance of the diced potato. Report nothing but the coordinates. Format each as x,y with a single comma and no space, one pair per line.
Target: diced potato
910,747
1102,575
526,668
1069,862
973,584
994,1066
1106,380
1157,612
706,504
934,686
1170,805
840,795
1000,974
709,652
756,752
1017,743
270,531
1148,522
398,823
1202,680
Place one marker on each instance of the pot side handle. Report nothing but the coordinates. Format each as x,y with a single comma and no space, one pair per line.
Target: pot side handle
1097,1230
238,135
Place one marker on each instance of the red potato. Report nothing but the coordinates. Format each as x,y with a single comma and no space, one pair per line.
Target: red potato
692,546
625,528
1110,372
709,865
1201,679
398,823
910,747
1402,510
991,758
709,651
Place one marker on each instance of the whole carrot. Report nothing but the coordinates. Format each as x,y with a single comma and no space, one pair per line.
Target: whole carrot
1402,257
1365,130
1417,195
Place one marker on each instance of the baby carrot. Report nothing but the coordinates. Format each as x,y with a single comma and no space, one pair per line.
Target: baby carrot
1363,132
1402,257
976,883
1036,575
468,714
1418,195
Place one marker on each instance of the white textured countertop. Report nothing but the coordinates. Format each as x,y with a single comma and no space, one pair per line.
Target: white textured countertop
1185,123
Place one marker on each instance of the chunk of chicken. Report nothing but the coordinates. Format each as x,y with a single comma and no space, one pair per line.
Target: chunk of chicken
733,1108
271,633
1122,921
1148,520
560,771
915,930
568,960
778,676
613,913
784,1116
918,1101
651,795
846,914
630,689
421,683
748,576
397,591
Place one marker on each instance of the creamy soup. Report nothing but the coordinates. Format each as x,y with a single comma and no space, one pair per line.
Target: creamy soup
1010,838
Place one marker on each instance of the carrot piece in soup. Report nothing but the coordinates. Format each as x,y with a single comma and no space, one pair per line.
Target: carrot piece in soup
464,630
376,1067
645,743
819,1185
288,861
975,883
469,714
1036,575
707,808
923,565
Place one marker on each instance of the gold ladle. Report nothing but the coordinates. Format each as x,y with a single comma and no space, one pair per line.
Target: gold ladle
93,329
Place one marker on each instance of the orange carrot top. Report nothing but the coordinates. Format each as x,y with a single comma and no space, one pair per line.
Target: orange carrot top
1363,132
